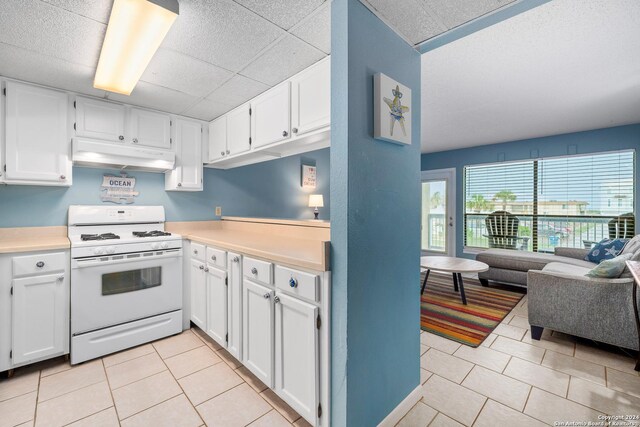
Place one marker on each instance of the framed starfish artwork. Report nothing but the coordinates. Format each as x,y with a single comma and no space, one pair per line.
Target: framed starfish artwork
392,110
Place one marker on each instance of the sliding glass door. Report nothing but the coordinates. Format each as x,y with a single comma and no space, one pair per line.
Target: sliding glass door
438,216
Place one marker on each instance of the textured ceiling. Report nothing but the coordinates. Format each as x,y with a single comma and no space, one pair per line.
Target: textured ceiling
217,55
565,66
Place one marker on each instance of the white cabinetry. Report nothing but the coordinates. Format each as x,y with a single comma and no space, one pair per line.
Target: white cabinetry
187,174
234,304
98,119
216,304
271,116
258,330
218,138
198,294
36,136
311,99
150,128
239,130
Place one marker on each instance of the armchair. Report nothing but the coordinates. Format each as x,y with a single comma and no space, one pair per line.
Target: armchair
502,229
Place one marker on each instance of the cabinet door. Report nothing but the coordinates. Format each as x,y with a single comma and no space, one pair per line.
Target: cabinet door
99,119
271,116
150,129
234,301
218,138
311,99
189,154
37,142
217,305
296,358
239,130
258,331
40,317
198,295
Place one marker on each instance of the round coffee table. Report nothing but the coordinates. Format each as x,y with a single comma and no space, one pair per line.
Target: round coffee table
455,266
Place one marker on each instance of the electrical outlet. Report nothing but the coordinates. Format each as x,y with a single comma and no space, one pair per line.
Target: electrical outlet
218,211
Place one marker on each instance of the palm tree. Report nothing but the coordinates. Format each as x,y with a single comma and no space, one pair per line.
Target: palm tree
436,200
478,203
505,196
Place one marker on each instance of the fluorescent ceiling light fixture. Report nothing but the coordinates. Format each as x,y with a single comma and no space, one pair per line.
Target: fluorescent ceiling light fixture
136,29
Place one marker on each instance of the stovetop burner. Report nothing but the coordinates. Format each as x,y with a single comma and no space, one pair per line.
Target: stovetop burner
154,233
104,236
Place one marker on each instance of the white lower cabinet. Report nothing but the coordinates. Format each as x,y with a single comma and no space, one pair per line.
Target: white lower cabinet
234,304
216,304
258,331
198,294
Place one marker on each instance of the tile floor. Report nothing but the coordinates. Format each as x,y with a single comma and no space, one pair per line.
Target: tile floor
511,380
184,380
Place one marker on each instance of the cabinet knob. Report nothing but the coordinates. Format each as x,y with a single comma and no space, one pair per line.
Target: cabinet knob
62,177
40,264
267,295
60,279
222,153
195,252
179,184
276,299
201,267
236,259
121,137
294,130
206,270
228,152
135,140
213,257
254,270
293,283
285,133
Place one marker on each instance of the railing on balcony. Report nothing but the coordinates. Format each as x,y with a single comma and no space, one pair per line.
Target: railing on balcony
553,231
437,232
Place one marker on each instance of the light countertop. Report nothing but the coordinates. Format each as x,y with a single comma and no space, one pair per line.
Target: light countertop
32,239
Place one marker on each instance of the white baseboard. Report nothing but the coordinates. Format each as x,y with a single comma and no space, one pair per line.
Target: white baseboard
401,410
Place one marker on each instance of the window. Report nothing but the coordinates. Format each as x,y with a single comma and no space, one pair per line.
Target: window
562,201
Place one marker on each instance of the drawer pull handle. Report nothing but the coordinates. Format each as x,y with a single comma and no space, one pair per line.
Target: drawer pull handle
276,299
201,267
293,283
40,264
213,257
254,270
267,295
236,259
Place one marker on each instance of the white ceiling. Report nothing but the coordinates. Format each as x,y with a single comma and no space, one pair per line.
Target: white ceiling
565,66
217,55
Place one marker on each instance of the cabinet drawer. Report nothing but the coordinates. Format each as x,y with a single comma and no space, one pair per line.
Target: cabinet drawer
258,270
36,264
217,257
298,283
198,251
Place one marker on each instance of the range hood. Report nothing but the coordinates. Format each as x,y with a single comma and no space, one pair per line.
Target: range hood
89,152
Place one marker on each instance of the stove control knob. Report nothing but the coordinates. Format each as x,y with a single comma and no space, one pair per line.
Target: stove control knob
165,245
111,250
98,251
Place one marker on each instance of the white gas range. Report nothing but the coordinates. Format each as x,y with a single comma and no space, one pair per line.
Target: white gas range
126,279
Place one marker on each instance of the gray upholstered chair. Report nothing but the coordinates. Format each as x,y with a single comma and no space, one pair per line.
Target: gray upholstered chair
502,231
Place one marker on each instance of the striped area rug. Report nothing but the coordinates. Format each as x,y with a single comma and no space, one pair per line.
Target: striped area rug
442,313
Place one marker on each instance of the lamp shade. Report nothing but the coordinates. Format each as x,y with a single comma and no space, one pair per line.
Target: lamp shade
316,201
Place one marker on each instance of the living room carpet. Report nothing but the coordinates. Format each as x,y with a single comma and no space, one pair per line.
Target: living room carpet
442,313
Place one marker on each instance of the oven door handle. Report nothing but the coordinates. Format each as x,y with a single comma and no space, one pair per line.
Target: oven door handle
123,259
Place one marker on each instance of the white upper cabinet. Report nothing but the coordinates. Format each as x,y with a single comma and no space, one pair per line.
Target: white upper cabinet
187,174
218,138
239,130
99,119
271,116
311,99
38,145
150,128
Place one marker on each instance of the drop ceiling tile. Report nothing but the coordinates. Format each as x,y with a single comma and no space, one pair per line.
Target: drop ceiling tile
456,12
206,110
237,91
98,10
184,73
316,30
156,97
410,18
220,32
283,13
45,70
283,60
40,27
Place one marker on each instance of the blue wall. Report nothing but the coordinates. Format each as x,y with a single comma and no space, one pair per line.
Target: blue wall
375,241
610,139
270,189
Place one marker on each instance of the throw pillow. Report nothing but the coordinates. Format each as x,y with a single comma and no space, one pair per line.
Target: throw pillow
610,268
606,249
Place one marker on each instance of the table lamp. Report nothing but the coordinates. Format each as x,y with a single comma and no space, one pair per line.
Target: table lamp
316,201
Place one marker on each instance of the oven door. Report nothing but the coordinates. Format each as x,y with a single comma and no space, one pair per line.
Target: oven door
115,289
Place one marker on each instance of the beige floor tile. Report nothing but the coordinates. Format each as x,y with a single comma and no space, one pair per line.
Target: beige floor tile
419,416
496,386
229,359
544,378
496,414
78,377
489,340
177,344
483,356
424,375
280,405
564,344
140,395
439,343
191,361
606,358
602,398
251,379
519,322
445,365
509,331
18,410
576,367
521,310
21,383
302,423
549,408
506,319
423,349
74,406
518,349
27,424
126,355
621,381
237,407
210,382
106,418
271,419
55,366
442,420
210,342
175,412
135,369
453,400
